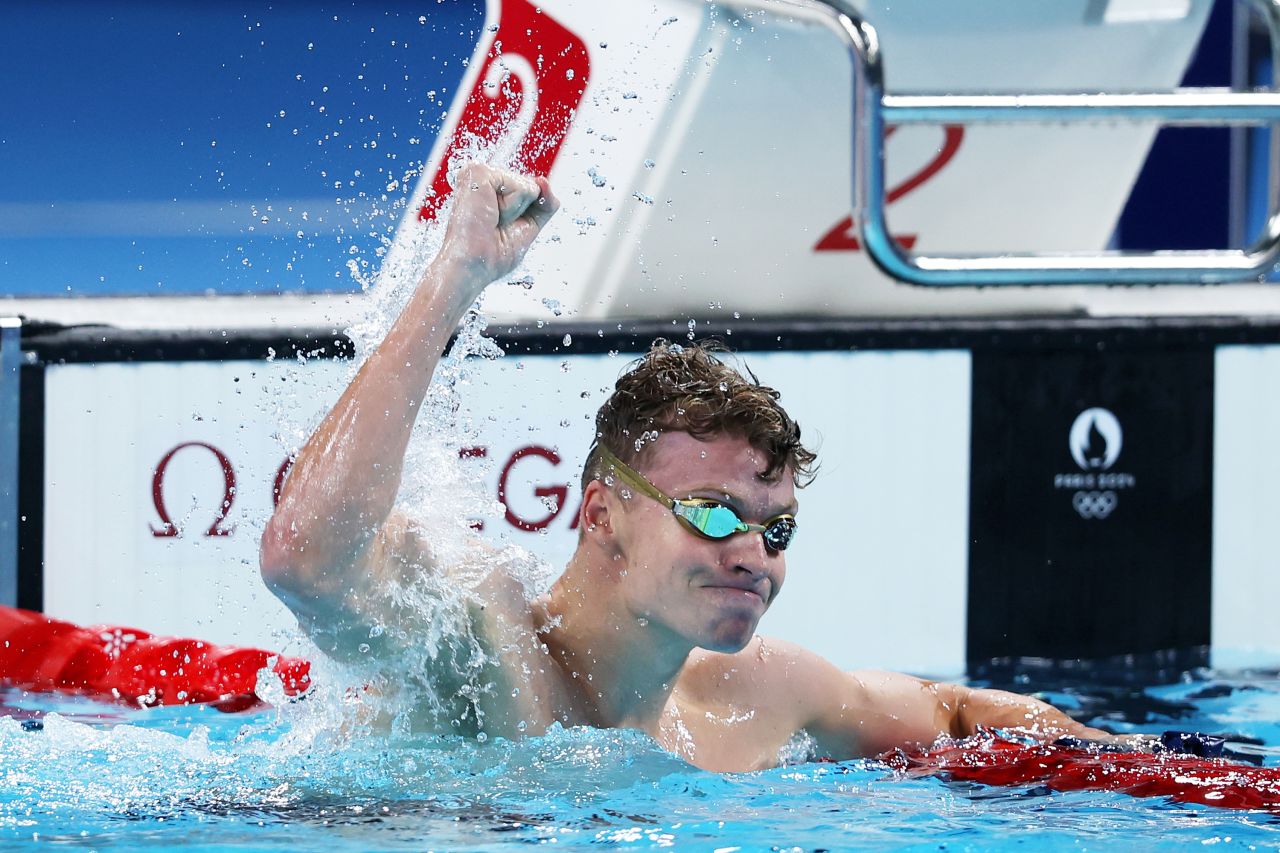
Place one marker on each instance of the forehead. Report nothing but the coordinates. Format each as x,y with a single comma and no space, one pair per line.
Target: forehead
679,462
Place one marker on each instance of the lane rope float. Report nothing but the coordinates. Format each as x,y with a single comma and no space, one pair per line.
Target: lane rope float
115,663
1175,772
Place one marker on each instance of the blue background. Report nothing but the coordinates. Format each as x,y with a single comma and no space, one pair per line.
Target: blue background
148,148
143,144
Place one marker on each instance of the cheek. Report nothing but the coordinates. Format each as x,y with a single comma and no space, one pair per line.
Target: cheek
778,575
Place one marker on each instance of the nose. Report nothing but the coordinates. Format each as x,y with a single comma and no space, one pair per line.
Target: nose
751,556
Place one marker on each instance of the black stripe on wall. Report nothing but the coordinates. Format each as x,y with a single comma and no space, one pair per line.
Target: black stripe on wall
31,489
1090,508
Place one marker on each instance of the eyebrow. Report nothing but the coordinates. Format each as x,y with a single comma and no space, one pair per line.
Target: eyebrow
737,503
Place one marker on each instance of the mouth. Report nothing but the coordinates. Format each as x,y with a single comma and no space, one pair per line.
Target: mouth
750,595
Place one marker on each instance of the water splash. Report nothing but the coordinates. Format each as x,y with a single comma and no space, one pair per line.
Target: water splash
428,664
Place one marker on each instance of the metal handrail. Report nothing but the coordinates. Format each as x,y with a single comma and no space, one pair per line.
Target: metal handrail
873,110
1182,107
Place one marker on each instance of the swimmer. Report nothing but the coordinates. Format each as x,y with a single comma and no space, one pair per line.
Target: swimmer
689,504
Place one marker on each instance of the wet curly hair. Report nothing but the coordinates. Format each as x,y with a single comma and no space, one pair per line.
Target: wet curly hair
689,388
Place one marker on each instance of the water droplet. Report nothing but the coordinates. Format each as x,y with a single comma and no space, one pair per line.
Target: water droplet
364,648
568,339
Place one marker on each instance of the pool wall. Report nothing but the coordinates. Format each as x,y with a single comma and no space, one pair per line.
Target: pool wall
995,496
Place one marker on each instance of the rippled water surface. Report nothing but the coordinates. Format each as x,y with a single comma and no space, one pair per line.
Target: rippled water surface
102,777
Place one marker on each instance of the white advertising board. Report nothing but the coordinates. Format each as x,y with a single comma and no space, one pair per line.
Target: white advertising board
159,478
1246,493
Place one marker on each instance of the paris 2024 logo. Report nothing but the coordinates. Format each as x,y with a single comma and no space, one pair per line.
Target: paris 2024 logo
1095,441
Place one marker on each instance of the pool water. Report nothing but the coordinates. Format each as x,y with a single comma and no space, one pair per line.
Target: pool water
102,777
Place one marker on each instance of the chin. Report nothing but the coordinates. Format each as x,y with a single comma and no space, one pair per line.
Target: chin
730,639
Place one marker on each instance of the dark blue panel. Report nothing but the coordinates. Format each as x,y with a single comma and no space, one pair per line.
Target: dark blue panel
1182,197
238,147
1258,186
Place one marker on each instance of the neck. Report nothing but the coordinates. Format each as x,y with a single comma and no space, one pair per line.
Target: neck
624,667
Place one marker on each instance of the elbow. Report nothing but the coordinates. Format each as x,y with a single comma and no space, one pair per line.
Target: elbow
300,566
280,559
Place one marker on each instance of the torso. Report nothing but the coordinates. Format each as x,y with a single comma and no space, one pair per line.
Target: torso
725,713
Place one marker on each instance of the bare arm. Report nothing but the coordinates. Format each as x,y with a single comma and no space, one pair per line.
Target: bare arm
863,714
333,536
870,712
968,709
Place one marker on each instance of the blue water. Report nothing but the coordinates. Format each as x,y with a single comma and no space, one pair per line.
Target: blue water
103,777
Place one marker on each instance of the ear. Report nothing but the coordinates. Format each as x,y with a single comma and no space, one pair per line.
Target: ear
597,513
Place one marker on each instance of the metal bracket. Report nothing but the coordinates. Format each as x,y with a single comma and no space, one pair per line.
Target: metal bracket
873,110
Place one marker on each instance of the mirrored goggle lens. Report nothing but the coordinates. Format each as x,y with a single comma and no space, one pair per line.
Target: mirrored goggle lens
711,519
778,535
718,521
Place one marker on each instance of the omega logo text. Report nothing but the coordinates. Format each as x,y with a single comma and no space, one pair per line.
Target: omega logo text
528,506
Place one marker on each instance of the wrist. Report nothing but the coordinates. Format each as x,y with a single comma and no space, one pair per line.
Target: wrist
462,279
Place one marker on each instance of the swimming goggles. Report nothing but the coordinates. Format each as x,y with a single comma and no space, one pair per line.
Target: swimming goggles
705,517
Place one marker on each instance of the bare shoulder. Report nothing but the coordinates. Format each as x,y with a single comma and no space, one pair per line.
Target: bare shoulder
849,714
769,671
769,668
403,586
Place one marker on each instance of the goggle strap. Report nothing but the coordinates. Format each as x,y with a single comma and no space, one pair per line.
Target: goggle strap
633,478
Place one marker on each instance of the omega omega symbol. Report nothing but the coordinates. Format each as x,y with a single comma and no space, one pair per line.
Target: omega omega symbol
522,100
1095,441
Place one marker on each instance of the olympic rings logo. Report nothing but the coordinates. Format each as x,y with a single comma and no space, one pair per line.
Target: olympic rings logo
1094,504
